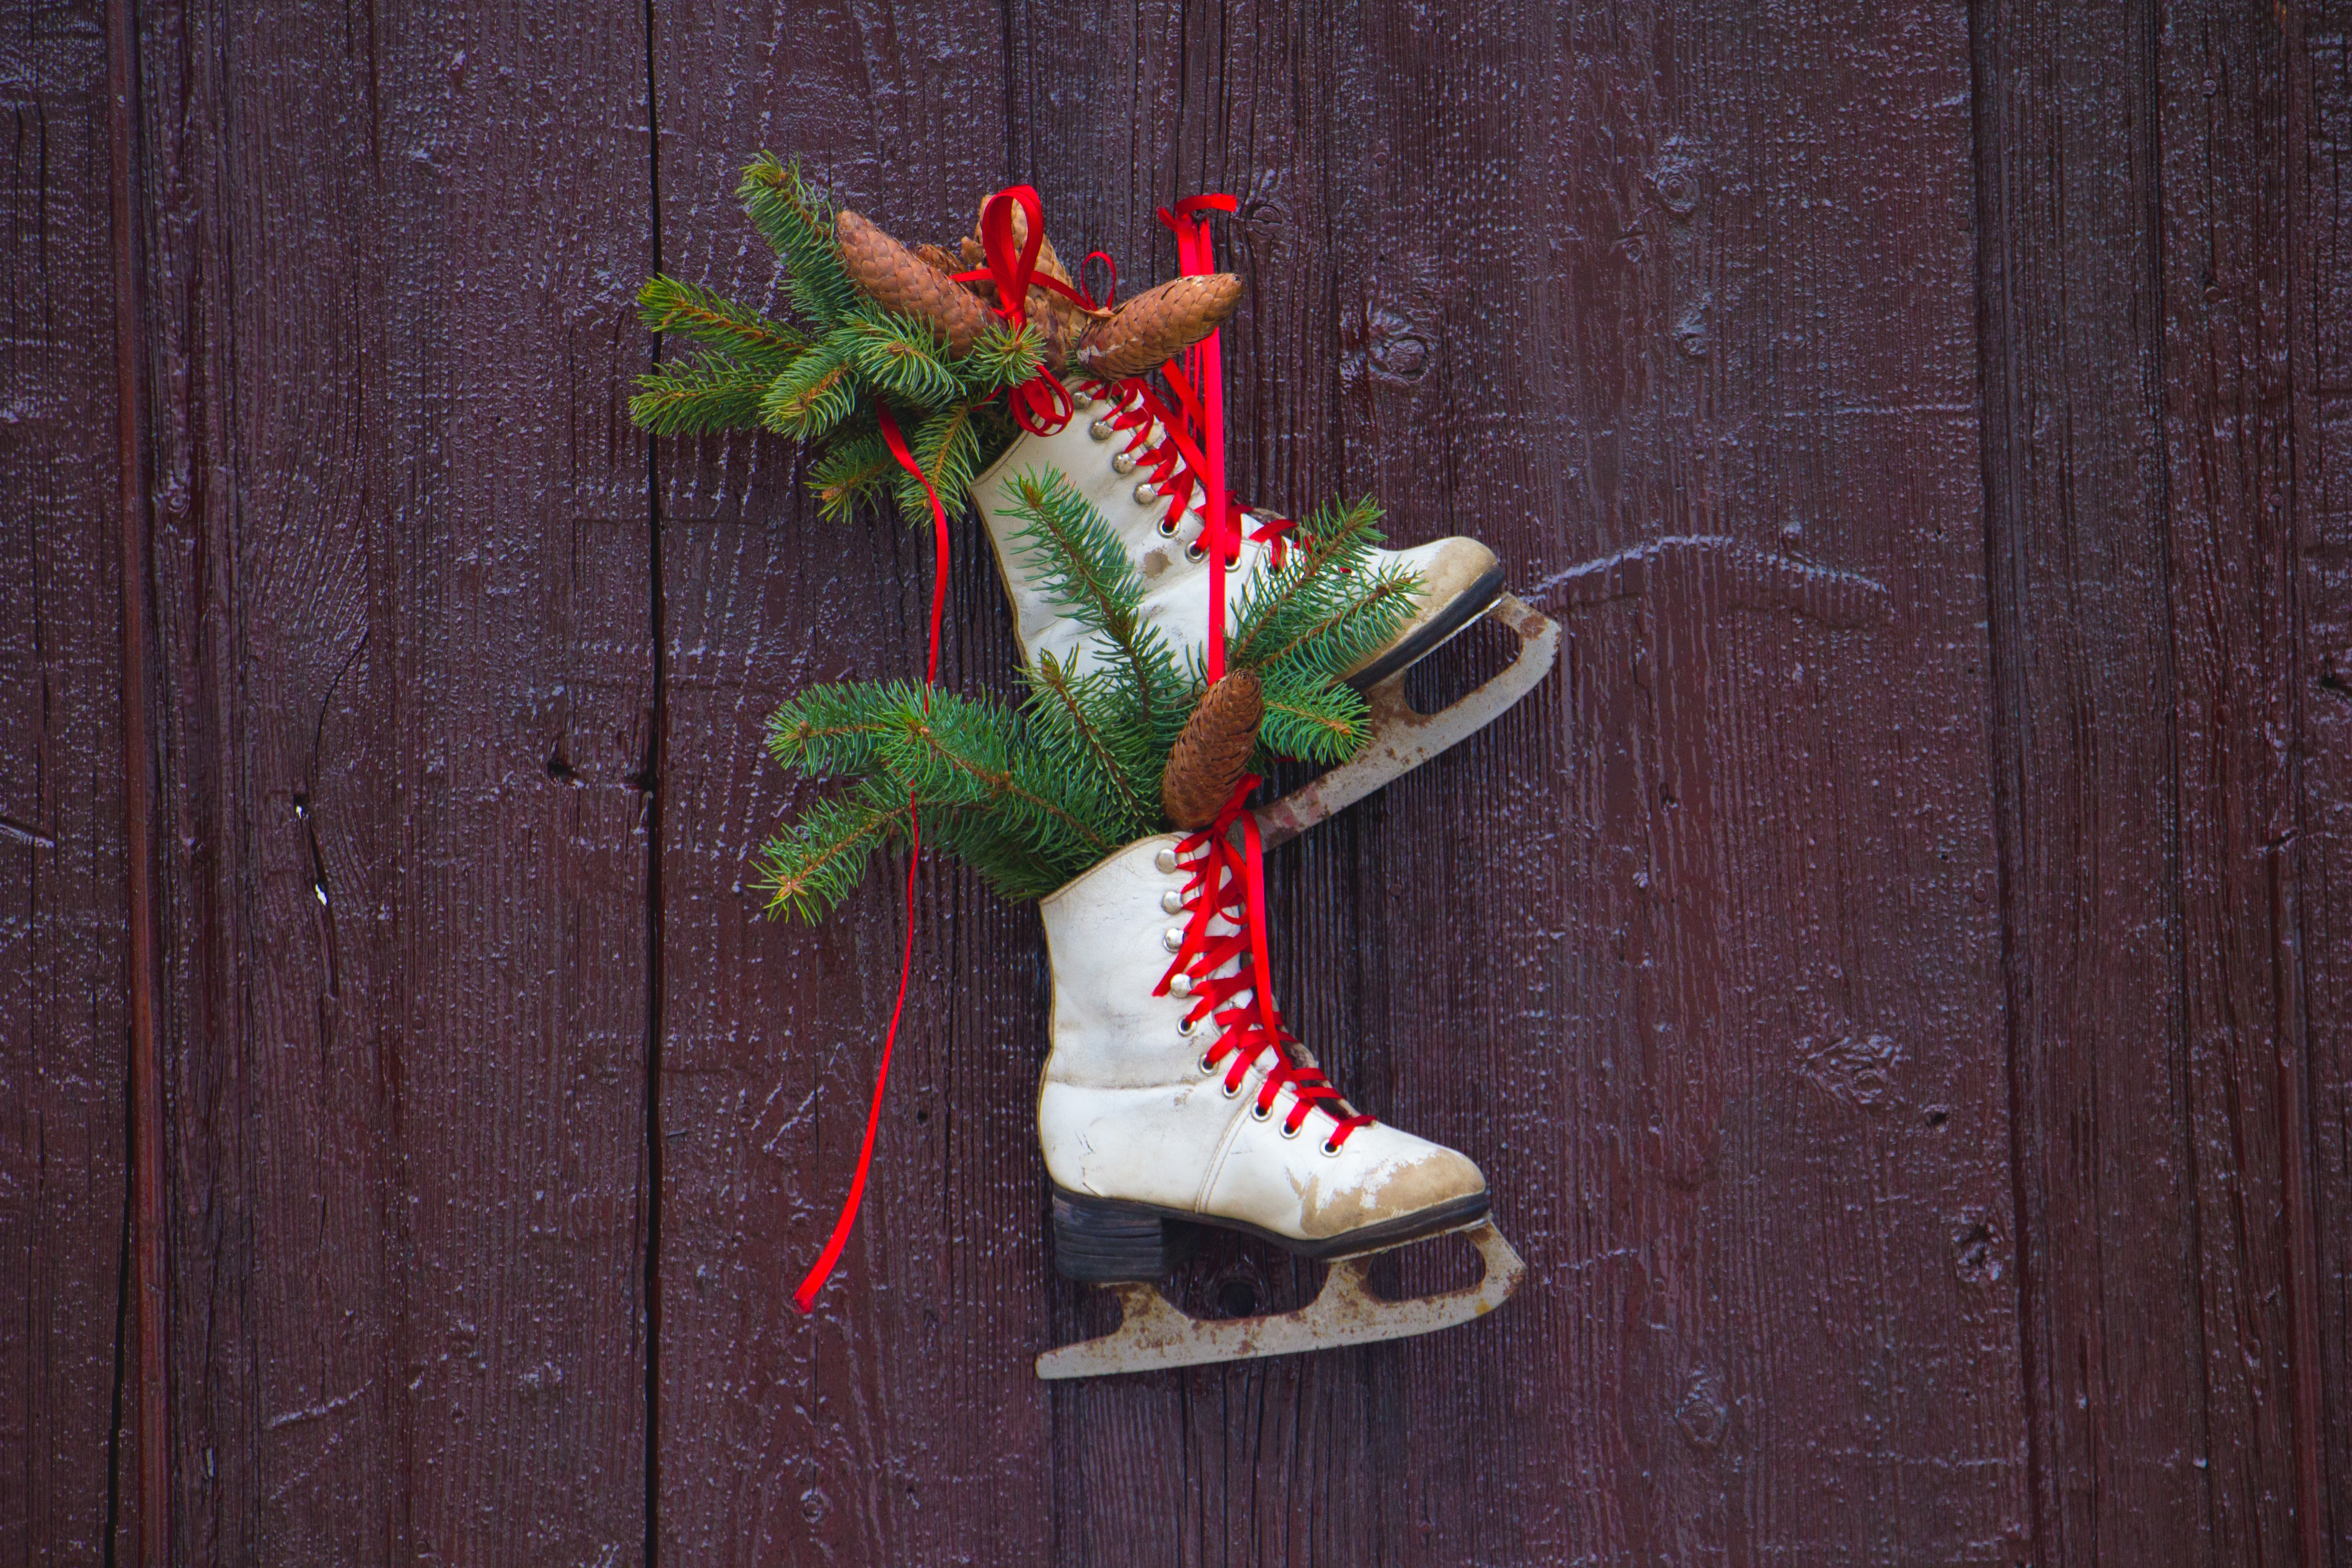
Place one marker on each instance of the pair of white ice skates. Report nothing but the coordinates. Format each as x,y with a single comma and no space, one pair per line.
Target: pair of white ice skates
1172,1097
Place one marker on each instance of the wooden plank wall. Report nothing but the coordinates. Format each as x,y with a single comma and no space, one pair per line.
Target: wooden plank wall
64,937
1891,975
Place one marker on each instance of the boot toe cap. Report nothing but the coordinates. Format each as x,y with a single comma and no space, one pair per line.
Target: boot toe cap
1392,1189
1449,568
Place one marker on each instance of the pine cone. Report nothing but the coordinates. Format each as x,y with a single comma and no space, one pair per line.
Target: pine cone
1211,756
1158,324
900,281
937,259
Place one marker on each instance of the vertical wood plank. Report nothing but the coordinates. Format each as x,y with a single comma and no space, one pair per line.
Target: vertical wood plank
2142,326
2085,671
402,528
902,1423
63,940
2221,112
2319,284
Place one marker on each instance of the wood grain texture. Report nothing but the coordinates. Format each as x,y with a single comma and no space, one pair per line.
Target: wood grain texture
63,942
402,562
2140,313
1892,976
2318,178
1757,1001
903,1422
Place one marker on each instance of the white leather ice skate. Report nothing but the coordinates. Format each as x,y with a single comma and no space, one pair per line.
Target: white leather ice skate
1173,1098
1118,456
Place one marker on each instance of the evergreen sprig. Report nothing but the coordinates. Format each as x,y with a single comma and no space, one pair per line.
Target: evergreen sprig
1025,823
1031,796
710,392
818,378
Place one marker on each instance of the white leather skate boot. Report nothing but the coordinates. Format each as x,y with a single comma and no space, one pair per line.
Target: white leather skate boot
1173,1098
1117,455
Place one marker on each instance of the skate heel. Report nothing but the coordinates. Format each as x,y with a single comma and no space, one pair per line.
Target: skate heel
1100,1242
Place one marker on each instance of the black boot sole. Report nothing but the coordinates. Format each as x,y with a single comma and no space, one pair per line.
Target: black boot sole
1110,1241
1468,606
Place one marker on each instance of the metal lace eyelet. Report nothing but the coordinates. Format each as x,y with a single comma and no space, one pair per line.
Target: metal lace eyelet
1173,901
1166,528
1186,1028
1291,1131
1233,1090
1101,429
1179,985
1165,860
1143,496
1330,1149
1207,1066
1196,552
1173,939
1122,462
1260,1112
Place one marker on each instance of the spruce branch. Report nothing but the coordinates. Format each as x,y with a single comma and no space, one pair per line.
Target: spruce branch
1349,628
947,448
1311,717
816,394
898,358
1086,723
1324,568
1016,869
842,729
965,753
667,305
1081,565
708,393
853,469
1001,357
810,868
796,220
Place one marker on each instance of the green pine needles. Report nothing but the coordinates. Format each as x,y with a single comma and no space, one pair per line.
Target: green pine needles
1029,794
820,382
1033,795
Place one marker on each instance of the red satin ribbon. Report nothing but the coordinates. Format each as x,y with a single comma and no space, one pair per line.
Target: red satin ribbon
1041,404
1191,224
1229,877
805,1296
1111,295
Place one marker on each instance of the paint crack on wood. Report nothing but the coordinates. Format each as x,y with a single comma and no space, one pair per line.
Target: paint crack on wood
1720,567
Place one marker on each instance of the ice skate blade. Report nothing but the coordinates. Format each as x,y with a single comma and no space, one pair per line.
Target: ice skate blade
1153,1333
1403,740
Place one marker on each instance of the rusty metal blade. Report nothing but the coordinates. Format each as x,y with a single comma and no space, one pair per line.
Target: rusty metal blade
1153,1333
1403,740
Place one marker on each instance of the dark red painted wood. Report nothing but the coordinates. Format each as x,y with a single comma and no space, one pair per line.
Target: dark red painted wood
1891,975
63,940
902,1423
2141,313
2317,178
402,570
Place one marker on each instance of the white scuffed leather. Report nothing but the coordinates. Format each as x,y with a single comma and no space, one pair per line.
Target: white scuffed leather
1125,1111
1085,462
1176,588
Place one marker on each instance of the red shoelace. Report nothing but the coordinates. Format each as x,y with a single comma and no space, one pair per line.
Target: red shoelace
1228,884
1166,448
